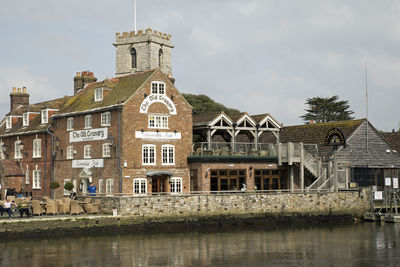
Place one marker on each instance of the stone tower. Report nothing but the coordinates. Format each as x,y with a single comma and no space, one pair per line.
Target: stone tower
142,50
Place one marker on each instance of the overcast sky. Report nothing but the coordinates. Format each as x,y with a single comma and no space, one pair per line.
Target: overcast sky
255,56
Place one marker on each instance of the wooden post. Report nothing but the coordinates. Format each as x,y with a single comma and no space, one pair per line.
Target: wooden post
335,174
209,137
301,166
291,177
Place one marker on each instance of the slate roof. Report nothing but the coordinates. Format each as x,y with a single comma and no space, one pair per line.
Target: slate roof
315,133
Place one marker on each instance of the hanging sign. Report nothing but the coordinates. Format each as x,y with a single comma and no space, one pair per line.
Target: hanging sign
88,135
151,99
335,137
157,135
87,163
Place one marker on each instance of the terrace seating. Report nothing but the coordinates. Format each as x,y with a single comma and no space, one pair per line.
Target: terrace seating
51,207
92,207
76,209
64,205
37,208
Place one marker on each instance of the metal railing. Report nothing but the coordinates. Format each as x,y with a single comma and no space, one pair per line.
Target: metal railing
234,149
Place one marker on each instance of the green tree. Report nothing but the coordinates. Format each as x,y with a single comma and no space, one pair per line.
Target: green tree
323,109
202,104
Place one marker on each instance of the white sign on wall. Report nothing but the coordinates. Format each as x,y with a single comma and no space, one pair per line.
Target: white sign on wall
88,135
388,181
157,135
157,99
87,163
378,195
395,183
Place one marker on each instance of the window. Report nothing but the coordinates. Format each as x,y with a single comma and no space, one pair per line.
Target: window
160,58
74,182
98,94
2,155
88,121
139,186
87,151
176,185
25,119
149,154
168,154
36,179
66,192
70,152
27,180
37,148
17,150
160,122
8,122
133,58
44,116
101,186
70,124
106,150
109,186
158,88
106,119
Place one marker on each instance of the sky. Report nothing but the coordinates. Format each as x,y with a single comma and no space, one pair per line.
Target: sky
258,56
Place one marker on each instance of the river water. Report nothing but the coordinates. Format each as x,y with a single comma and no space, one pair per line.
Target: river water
313,244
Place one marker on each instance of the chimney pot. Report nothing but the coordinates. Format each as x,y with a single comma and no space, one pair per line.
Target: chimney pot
14,89
24,90
78,74
19,90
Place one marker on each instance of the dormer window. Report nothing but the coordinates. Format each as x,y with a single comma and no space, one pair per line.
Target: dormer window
98,94
158,88
25,119
45,118
8,122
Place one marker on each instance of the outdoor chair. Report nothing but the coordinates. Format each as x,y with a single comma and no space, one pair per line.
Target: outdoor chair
45,198
51,207
37,208
263,153
11,198
92,207
76,208
64,205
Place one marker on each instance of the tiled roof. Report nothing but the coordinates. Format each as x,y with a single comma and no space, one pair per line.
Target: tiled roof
315,133
204,119
393,139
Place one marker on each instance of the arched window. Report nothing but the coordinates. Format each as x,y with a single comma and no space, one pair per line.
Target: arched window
133,57
160,57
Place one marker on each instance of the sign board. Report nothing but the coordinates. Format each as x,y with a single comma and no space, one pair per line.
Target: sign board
88,135
151,99
378,195
388,181
87,163
335,137
157,135
396,183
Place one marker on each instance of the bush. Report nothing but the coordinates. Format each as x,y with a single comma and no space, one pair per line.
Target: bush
54,185
68,186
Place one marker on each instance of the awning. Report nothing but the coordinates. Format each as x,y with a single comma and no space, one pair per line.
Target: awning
157,173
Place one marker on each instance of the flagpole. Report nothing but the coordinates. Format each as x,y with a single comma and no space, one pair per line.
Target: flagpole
134,11
366,103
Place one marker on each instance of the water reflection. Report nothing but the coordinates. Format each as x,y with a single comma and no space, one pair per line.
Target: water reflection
344,244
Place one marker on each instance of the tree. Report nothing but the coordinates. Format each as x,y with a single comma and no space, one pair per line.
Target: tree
203,104
323,109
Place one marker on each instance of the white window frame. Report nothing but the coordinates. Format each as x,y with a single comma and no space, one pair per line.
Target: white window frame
17,150
2,155
109,187
8,122
36,179
87,151
27,180
88,121
98,94
158,88
70,124
139,186
166,157
25,119
44,116
106,118
176,185
66,192
146,158
158,121
75,183
101,186
70,152
37,148
106,150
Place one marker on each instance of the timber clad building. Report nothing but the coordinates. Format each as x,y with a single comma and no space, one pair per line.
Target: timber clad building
135,134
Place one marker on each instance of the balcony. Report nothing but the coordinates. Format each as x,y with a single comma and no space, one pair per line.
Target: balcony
223,149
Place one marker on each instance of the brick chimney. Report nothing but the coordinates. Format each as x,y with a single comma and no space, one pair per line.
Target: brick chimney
82,79
18,98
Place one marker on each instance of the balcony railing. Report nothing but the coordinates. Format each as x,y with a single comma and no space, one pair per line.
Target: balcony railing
237,149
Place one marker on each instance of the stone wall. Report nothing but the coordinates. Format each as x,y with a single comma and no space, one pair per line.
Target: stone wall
280,204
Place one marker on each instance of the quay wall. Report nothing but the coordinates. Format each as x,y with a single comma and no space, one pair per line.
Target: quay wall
353,203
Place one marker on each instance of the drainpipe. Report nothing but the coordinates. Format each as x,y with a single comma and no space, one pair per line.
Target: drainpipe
52,159
119,150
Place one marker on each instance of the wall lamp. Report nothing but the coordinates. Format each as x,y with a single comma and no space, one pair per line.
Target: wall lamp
145,95
57,143
111,140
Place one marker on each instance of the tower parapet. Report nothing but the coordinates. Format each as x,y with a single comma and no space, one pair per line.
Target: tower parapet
142,50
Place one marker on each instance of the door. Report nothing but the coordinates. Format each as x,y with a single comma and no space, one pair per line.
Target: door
84,185
159,185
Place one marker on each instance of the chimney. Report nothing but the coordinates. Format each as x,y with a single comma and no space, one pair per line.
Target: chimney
18,98
82,79
171,78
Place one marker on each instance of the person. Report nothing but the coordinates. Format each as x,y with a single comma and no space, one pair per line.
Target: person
72,195
23,207
7,208
92,189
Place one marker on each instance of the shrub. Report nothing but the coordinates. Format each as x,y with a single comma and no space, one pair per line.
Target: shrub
54,185
68,186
